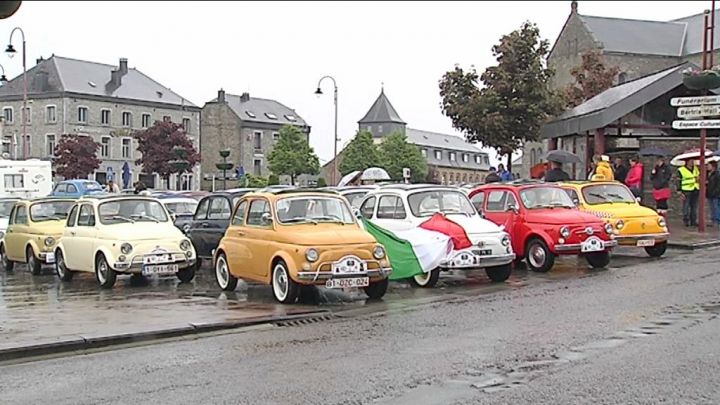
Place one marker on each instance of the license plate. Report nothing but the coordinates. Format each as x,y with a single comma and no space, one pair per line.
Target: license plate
160,269
348,265
154,259
592,245
348,282
50,257
646,242
483,252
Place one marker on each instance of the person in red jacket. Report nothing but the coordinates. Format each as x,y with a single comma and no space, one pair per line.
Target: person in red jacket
635,176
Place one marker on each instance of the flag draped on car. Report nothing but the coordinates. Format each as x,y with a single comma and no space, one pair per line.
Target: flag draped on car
411,252
440,223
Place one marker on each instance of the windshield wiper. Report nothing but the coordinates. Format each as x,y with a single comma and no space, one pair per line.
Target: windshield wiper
126,219
560,205
298,220
145,217
452,211
48,218
329,219
600,196
620,198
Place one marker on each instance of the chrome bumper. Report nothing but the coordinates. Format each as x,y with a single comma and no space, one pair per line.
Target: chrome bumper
632,239
43,256
135,264
328,275
572,247
479,262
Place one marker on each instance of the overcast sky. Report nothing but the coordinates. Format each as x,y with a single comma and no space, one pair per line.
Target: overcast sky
280,50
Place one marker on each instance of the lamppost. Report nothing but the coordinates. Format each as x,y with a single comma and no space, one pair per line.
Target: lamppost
335,143
224,166
11,52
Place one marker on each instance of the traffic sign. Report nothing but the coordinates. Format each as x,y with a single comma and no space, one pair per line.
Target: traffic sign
700,111
696,124
688,101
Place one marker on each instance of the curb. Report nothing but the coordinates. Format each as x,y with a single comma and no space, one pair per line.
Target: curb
86,343
694,246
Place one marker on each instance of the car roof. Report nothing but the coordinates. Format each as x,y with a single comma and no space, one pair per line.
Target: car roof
412,187
108,196
51,198
76,181
299,192
176,199
231,193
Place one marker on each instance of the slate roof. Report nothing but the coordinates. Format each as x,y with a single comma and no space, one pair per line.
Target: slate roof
447,143
259,107
693,37
381,111
89,78
637,36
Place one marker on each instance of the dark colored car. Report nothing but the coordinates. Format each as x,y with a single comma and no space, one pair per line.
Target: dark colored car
211,220
182,208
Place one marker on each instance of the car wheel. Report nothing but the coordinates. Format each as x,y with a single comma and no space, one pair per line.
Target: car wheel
61,269
426,280
499,274
105,275
598,260
33,264
377,290
7,263
657,250
186,275
225,280
285,289
538,256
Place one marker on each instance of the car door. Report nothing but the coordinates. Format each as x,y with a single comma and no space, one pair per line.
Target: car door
367,208
502,208
17,233
85,239
257,236
60,189
69,239
198,227
237,249
392,214
478,201
218,220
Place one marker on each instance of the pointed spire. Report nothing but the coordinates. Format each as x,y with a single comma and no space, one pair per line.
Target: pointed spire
382,111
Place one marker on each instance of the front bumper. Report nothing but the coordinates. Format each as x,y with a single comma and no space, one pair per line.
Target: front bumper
47,257
473,261
135,263
313,276
632,240
576,247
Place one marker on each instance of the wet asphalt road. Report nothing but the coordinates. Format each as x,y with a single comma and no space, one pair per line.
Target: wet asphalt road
643,331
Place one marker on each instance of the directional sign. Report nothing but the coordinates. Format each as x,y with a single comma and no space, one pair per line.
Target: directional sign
696,124
698,111
688,101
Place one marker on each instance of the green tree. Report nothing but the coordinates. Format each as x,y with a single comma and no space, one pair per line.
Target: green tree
515,98
253,181
292,155
397,153
360,154
321,182
592,77
273,180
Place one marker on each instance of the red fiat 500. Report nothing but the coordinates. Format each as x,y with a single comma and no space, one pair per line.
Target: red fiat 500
543,223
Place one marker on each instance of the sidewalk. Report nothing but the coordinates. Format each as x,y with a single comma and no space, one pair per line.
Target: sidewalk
686,238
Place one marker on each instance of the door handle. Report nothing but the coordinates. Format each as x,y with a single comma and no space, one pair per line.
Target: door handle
241,233
72,233
205,225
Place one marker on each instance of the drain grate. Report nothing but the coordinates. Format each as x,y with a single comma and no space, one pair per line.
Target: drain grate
305,321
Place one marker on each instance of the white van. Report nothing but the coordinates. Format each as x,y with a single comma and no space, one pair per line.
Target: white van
25,179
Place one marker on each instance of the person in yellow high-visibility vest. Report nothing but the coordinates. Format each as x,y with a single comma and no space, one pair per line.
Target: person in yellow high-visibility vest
689,187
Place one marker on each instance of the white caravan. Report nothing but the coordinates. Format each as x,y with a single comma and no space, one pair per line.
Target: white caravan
25,179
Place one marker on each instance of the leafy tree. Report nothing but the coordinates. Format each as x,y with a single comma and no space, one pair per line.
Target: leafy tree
292,155
166,150
515,98
360,154
76,156
592,77
255,181
321,182
273,180
397,153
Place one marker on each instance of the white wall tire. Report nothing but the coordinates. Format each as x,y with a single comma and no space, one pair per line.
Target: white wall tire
426,280
225,280
284,288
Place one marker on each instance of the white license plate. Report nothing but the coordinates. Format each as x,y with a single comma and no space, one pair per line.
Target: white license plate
155,259
348,265
348,282
646,242
160,269
592,245
50,257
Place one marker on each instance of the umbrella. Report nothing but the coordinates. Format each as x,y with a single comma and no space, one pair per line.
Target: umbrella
349,178
680,159
126,175
650,151
375,173
561,156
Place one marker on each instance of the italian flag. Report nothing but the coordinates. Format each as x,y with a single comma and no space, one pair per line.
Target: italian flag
419,250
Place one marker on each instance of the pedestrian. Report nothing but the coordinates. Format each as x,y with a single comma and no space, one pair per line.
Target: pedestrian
556,173
492,177
603,171
635,177
689,186
112,187
660,177
505,175
621,170
139,187
713,192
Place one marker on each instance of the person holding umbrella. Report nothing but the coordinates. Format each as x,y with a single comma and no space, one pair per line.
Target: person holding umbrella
660,177
556,159
556,173
689,188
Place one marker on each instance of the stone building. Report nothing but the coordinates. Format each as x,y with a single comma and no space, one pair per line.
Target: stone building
248,127
106,102
450,159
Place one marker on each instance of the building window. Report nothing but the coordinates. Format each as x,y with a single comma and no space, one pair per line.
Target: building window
380,129
271,116
532,157
258,140
438,155
82,115
477,159
28,142
50,114
105,146
369,128
622,78
50,144
257,167
186,125
166,118
8,115
466,157
424,152
127,119
276,136
452,156
105,117
14,181
146,120
126,142
28,115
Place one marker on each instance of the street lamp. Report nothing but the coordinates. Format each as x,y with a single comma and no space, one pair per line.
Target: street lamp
319,92
3,79
10,50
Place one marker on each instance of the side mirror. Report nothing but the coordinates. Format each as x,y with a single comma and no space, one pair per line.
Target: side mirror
513,208
356,212
266,218
576,201
637,199
173,216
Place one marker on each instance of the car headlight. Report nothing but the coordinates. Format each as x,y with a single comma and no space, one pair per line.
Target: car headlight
312,255
505,240
185,244
565,232
620,224
661,222
379,252
126,248
49,241
609,228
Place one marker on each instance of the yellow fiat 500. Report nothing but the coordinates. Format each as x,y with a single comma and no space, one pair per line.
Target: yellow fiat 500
633,224
294,238
33,231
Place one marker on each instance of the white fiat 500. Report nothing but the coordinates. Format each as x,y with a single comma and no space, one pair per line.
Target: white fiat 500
123,234
404,207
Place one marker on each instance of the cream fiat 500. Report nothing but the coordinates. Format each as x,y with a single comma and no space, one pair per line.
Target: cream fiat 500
118,234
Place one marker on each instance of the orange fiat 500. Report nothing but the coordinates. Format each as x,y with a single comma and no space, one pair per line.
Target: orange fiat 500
293,238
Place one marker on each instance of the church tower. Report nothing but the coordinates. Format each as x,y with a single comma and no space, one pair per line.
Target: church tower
382,119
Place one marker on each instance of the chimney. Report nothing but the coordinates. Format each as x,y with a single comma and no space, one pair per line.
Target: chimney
221,96
573,7
116,76
245,97
123,66
38,60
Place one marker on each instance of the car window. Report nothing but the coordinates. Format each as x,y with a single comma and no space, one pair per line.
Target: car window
181,208
201,212
61,188
496,201
6,207
72,216
92,186
20,215
257,209
50,210
391,207
219,208
573,195
71,188
86,216
239,217
477,201
355,198
427,203
510,201
295,210
368,207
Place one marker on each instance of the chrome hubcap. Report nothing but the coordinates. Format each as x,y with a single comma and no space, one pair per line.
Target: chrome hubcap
280,282
60,265
31,262
537,256
102,271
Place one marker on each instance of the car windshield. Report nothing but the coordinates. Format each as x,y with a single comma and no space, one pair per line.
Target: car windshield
131,210
6,207
182,208
355,198
545,197
607,193
50,210
313,210
427,203
92,186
